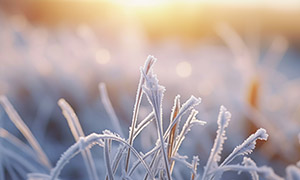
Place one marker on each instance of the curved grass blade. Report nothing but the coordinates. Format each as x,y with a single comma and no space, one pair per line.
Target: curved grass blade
19,123
77,132
139,94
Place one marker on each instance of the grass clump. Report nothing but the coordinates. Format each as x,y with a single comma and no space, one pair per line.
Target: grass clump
120,157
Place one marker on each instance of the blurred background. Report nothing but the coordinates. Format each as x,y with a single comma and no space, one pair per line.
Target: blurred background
244,55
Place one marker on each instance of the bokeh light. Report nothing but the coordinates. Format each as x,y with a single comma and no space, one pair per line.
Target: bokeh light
184,69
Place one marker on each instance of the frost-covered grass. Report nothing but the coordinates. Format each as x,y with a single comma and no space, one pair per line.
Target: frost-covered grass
121,159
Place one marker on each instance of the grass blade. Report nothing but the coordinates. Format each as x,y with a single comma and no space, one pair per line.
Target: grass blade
214,157
77,132
172,135
154,93
107,160
247,146
19,123
139,94
88,142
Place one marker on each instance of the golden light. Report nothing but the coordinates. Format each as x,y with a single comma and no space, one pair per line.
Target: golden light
139,3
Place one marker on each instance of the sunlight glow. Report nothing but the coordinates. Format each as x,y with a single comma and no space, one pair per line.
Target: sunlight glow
145,3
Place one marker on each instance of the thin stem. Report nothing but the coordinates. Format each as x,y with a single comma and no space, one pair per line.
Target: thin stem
107,160
77,132
149,63
23,128
88,142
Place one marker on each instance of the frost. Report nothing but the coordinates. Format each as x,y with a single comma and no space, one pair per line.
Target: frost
249,162
77,132
214,157
158,162
154,93
247,146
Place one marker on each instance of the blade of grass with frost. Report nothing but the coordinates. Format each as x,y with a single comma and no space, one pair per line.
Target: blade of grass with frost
249,162
247,146
22,127
279,138
186,128
154,93
188,105
88,142
107,160
139,94
77,132
118,157
183,159
125,176
172,135
159,163
148,154
109,109
195,164
214,157
154,160
121,149
143,124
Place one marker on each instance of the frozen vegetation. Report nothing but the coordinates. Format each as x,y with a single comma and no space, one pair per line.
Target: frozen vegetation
107,134
120,159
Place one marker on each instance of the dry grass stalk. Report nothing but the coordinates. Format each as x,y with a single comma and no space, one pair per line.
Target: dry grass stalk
77,132
171,141
23,128
148,64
